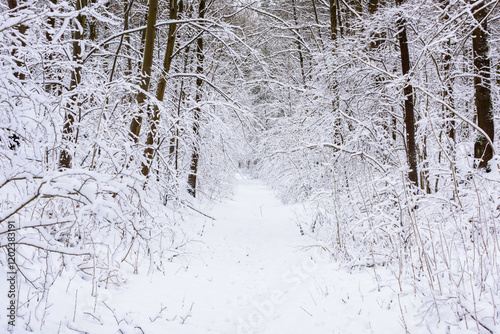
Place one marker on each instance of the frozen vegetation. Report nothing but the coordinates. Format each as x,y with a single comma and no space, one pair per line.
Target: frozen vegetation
272,166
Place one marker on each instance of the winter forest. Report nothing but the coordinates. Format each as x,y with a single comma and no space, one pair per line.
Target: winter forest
267,166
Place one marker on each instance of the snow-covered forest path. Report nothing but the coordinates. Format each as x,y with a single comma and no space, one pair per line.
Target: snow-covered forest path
255,273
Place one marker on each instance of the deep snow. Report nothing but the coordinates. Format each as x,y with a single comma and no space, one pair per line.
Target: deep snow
248,271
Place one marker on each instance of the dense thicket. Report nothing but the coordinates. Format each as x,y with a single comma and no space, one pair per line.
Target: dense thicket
380,126
94,164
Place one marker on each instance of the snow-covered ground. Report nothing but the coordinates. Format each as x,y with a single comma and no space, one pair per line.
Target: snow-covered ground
248,271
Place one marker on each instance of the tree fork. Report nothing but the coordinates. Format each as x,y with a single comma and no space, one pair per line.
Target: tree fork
147,63
160,92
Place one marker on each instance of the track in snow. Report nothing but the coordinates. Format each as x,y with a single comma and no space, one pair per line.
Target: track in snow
253,274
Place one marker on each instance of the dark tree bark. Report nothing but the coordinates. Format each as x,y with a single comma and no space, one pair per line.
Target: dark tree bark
448,80
147,63
126,38
196,125
55,84
13,5
372,6
174,141
73,108
160,92
409,114
299,45
333,19
316,19
126,26
482,85
448,93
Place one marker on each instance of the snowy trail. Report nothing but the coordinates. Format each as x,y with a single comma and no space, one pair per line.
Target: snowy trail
253,275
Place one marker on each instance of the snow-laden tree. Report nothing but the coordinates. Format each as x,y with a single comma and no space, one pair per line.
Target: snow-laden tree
103,107
342,141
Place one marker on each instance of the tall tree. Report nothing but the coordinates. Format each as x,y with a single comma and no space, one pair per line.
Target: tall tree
160,92
147,63
333,19
73,107
196,122
409,114
482,85
299,45
14,6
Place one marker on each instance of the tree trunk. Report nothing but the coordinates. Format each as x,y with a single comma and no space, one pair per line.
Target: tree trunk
317,19
375,36
55,84
174,141
482,85
22,30
333,19
196,125
126,38
69,118
448,81
409,117
160,92
126,26
372,6
299,46
448,94
147,63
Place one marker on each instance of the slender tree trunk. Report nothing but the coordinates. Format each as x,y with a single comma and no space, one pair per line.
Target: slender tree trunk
339,18
409,117
196,125
160,91
174,141
55,80
446,78
126,25
147,63
333,19
482,85
126,38
372,6
316,19
375,36
299,46
13,5
448,93
73,108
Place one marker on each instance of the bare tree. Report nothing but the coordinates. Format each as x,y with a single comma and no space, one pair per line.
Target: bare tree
14,6
333,19
409,117
73,108
196,125
147,63
482,85
154,117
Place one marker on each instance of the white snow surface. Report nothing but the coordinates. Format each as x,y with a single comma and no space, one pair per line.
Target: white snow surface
248,271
